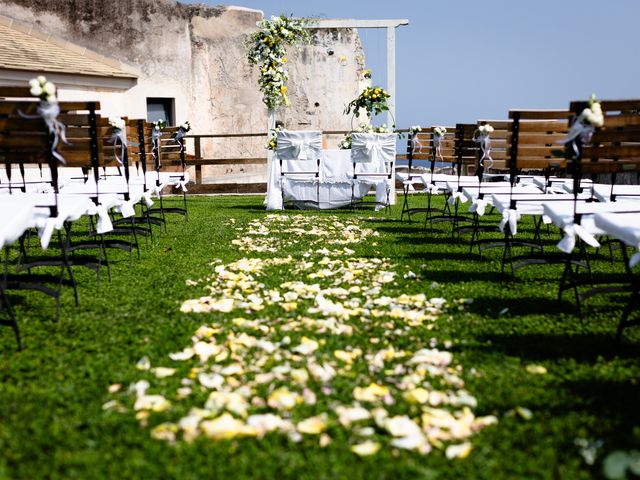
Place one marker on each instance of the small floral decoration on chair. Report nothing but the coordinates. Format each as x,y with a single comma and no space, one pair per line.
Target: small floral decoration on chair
159,124
439,131
43,89
267,49
372,99
345,143
272,143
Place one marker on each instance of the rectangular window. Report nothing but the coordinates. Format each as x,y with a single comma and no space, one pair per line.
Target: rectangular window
161,109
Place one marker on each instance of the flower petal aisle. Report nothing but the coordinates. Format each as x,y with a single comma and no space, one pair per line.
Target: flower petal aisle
302,338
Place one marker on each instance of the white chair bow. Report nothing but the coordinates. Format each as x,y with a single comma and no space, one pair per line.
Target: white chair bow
456,196
301,145
479,206
377,148
510,216
573,230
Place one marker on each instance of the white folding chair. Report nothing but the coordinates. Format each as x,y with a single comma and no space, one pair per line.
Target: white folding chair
372,155
298,154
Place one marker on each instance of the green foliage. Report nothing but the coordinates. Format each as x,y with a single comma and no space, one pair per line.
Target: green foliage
51,394
372,99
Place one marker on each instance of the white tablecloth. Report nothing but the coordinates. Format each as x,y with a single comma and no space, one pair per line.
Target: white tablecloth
15,219
334,186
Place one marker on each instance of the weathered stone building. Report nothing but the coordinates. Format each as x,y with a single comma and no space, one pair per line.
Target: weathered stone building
190,63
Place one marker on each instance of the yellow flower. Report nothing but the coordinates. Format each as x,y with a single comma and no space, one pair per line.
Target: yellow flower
366,448
283,89
284,59
313,425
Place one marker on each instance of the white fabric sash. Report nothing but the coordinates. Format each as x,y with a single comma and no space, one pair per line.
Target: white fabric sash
301,145
479,206
573,230
511,217
374,148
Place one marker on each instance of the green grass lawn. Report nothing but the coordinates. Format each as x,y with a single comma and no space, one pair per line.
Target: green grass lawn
502,335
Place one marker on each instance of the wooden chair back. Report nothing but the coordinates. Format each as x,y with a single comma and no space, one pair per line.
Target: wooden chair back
614,147
534,136
500,144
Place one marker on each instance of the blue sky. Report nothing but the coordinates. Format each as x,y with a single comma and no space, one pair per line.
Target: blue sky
461,60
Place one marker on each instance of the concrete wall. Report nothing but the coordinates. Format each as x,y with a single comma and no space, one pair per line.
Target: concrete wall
195,54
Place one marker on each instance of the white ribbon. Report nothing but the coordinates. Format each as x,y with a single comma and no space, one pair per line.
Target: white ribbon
511,217
409,185
46,231
147,198
179,136
456,196
119,135
181,184
581,130
127,209
479,206
103,225
431,188
49,112
485,145
437,142
635,258
156,134
568,242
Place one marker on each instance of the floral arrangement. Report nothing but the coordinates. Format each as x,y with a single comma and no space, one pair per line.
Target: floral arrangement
439,131
272,143
484,130
345,143
372,99
267,49
48,110
366,73
43,89
117,123
185,127
159,124
592,115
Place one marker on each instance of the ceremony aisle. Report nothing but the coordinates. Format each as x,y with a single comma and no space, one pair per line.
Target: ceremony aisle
313,345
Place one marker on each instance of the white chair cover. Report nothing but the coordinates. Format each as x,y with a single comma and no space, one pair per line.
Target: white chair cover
299,145
373,147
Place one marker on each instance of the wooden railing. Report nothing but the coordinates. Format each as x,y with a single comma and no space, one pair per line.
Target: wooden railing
196,159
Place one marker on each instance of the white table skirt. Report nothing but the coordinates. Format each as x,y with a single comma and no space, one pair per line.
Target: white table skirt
333,188
15,219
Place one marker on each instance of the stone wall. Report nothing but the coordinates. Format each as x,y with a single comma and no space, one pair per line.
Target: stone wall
195,54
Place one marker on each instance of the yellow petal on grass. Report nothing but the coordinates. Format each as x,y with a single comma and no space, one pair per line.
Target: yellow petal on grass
536,369
155,403
458,451
225,427
165,431
366,448
371,393
313,425
283,399
115,387
417,395
289,306
163,372
143,364
307,346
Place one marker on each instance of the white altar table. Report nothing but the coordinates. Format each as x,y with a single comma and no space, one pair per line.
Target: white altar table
333,188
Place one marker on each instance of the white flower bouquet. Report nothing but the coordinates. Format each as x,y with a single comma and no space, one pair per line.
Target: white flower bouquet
267,49
117,123
439,131
43,89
